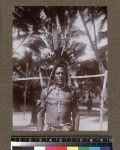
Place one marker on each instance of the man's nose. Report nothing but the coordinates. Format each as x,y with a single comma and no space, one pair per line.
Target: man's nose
60,74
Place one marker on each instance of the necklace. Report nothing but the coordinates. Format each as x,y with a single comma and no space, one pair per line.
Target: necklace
57,95
59,106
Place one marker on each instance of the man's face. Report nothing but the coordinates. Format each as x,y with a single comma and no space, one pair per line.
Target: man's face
60,76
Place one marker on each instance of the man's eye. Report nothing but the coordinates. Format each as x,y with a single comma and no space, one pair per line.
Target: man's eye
60,73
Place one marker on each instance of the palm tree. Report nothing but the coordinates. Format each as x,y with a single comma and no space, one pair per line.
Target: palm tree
99,24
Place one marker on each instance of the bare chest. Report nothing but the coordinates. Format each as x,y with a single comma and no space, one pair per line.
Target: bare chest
58,95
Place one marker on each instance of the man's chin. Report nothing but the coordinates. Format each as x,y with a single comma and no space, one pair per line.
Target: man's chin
60,83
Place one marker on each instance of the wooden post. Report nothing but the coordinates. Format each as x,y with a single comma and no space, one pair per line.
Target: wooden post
25,92
102,100
40,76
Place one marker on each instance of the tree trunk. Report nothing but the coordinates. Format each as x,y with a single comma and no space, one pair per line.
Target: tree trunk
25,92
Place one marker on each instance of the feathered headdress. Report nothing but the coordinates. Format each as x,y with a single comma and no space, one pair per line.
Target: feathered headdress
60,42
56,45
68,37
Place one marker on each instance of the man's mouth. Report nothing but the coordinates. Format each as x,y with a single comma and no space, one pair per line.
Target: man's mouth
60,80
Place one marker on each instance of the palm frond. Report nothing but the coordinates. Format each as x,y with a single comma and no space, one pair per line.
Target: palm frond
35,42
68,33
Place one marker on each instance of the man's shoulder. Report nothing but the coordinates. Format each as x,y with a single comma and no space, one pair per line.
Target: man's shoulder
51,87
45,91
75,92
71,90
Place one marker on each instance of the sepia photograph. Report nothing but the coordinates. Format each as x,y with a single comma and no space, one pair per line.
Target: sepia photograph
60,74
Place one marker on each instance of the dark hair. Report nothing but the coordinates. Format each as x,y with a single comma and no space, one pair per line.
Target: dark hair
60,63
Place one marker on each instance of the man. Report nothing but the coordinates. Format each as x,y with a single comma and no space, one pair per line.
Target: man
57,108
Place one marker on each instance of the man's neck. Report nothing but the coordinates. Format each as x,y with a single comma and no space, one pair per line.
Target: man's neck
60,86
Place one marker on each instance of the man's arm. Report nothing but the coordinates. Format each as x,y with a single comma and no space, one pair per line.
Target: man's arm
41,111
